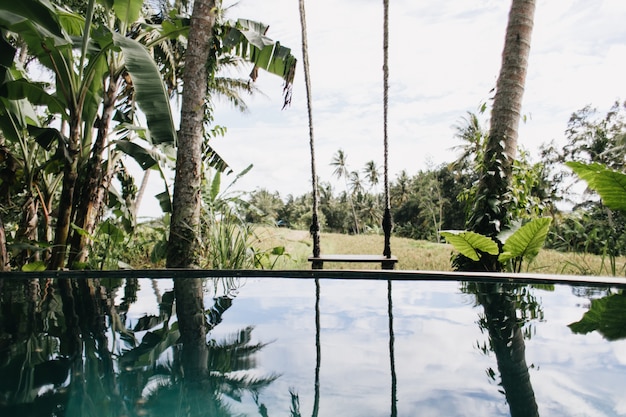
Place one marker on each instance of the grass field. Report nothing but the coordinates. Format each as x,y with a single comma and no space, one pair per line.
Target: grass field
415,254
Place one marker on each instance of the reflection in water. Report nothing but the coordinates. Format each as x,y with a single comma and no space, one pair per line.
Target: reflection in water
392,356
318,350
606,315
116,348
67,352
500,305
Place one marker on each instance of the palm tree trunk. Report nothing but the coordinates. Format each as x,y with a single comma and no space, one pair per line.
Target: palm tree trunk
184,229
193,328
507,342
507,103
489,215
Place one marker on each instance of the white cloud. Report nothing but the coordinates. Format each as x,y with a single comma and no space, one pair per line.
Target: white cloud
444,60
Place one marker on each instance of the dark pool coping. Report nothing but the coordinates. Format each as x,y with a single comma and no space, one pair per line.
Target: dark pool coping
395,275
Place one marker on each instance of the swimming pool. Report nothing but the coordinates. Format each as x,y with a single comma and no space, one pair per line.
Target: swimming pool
376,346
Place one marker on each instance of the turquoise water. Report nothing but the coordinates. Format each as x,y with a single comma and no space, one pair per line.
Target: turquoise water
328,347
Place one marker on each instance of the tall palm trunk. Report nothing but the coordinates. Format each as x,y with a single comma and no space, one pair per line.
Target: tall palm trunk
94,184
192,325
507,104
507,342
184,229
182,248
489,215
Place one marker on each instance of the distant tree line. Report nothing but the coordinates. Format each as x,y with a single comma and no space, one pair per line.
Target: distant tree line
438,198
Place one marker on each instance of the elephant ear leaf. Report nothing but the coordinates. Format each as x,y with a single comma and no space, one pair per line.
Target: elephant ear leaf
608,183
527,241
606,316
471,244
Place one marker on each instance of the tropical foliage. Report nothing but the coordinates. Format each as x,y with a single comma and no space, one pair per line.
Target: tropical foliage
80,91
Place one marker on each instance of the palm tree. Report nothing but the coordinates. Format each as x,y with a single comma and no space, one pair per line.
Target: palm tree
489,214
339,161
183,243
507,342
473,138
203,51
371,173
356,183
401,190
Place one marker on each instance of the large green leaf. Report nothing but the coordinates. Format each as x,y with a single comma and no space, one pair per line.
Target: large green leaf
37,23
606,315
527,241
34,92
38,15
7,53
165,201
127,11
608,183
150,91
247,39
15,114
471,244
146,158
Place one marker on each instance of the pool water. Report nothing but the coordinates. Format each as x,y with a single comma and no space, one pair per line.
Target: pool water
324,347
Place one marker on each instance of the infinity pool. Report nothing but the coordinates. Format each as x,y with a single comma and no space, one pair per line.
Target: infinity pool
320,347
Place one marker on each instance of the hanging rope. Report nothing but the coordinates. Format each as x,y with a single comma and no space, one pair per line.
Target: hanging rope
315,224
387,223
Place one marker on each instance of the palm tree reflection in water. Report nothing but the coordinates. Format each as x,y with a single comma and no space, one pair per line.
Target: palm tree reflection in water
68,352
501,303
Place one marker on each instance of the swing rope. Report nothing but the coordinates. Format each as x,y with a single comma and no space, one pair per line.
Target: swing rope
387,223
315,224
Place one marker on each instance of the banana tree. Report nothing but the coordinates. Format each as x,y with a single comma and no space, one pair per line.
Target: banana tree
88,62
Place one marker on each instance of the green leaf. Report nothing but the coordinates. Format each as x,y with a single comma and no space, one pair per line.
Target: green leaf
146,158
608,183
527,241
151,93
159,252
278,250
215,185
164,201
46,136
127,10
247,39
471,244
34,92
114,233
36,266
606,315
7,53
33,16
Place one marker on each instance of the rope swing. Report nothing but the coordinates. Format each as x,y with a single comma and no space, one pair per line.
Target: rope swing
387,260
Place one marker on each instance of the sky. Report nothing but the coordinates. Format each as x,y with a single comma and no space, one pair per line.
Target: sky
444,59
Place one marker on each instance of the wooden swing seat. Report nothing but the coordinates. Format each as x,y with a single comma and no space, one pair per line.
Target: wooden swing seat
385,262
